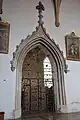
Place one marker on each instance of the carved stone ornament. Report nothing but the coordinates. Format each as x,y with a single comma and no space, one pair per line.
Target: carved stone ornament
39,36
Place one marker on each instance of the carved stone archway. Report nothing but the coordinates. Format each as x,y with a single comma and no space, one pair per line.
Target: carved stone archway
42,39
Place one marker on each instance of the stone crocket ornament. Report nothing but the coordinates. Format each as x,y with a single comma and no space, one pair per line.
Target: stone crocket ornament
56,4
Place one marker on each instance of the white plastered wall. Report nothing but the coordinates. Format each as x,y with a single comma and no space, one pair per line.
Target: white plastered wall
22,17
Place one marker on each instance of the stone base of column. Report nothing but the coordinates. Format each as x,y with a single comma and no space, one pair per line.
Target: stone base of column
16,113
62,109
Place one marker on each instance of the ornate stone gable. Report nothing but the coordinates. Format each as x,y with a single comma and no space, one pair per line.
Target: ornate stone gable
38,36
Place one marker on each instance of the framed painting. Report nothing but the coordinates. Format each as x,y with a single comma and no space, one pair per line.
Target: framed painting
72,44
1,3
4,37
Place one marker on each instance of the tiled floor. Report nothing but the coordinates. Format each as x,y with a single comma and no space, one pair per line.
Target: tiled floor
75,116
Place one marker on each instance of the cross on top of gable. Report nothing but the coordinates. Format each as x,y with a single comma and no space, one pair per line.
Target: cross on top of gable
40,8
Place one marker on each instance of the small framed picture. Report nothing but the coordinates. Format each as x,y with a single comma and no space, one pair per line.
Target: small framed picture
1,3
4,37
72,44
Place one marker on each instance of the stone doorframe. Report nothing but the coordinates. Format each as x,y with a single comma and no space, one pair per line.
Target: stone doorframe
42,39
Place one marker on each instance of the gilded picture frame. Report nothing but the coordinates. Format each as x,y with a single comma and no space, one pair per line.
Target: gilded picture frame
72,44
4,37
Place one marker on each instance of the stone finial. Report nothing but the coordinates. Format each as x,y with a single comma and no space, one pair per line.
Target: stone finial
40,8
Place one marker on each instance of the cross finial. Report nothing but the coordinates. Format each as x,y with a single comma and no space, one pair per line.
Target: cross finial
40,8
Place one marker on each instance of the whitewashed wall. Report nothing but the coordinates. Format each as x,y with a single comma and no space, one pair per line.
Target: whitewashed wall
22,16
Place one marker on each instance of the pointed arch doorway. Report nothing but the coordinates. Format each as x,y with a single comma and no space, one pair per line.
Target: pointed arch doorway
37,85
31,92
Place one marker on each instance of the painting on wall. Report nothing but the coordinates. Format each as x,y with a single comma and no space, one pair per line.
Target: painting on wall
72,43
1,2
4,37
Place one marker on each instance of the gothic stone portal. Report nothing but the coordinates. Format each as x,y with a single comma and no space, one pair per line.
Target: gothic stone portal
30,95
37,90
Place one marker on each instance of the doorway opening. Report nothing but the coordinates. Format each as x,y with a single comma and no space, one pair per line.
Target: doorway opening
37,85
48,84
